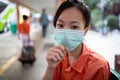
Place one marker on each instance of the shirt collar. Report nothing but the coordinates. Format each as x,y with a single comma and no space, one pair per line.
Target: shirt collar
80,63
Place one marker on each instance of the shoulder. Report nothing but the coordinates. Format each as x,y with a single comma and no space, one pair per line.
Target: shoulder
96,58
26,24
96,62
97,65
19,25
93,56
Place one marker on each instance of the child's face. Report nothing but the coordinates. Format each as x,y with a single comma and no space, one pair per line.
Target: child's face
71,19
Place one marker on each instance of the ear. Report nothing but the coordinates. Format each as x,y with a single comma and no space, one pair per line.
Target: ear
87,29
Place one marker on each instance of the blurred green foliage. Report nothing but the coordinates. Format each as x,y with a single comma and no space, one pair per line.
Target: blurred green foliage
92,3
1,25
100,24
112,21
96,16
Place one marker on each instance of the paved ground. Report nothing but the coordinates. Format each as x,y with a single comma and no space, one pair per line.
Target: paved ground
11,68
17,72
8,46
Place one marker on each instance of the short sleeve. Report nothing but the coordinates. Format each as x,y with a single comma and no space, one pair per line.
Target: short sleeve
103,73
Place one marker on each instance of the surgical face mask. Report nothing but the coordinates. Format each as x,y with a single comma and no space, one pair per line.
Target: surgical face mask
68,38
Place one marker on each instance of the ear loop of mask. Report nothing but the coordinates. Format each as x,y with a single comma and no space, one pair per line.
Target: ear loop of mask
85,41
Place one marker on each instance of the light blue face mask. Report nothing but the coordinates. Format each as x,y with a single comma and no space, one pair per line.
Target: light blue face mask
68,38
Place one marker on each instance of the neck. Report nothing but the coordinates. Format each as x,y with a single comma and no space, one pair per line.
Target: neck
72,56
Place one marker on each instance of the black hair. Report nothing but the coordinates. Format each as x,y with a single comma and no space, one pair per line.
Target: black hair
25,17
78,5
43,10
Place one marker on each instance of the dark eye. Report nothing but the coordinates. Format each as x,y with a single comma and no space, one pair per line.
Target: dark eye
60,26
74,27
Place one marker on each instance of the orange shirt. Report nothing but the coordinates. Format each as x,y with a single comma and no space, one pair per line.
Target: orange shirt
89,66
24,28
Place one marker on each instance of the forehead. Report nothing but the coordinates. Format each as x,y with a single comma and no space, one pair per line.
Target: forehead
71,14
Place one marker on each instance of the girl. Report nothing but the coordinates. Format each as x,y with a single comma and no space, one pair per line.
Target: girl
71,59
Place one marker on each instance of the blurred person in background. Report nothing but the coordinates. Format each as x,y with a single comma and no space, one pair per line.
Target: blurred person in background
71,59
23,31
44,22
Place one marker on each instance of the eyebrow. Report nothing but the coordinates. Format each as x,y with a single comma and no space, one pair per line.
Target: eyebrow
61,20
72,22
